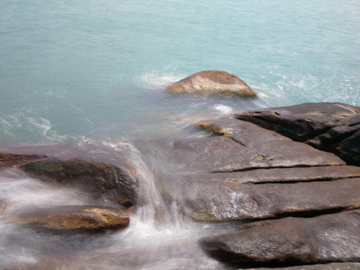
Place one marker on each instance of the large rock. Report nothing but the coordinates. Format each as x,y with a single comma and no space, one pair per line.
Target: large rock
9,159
212,81
326,238
102,182
332,127
213,172
221,154
74,217
218,201
278,175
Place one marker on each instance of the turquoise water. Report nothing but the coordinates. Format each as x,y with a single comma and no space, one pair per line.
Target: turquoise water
71,70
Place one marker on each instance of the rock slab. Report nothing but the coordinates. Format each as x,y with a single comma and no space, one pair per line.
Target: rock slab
333,127
326,238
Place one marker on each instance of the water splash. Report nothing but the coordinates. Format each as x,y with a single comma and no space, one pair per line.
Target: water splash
158,79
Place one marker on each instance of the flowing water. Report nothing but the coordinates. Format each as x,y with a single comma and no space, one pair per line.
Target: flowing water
83,72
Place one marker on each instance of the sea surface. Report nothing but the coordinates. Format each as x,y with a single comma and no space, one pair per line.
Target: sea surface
94,71
72,70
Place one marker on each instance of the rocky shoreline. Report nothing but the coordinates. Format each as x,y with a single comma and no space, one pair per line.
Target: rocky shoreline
292,173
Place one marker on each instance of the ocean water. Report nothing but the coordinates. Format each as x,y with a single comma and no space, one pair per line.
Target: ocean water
93,72
71,70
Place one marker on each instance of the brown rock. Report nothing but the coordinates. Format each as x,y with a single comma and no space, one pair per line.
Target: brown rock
75,217
322,239
212,81
301,122
280,175
349,148
216,201
8,159
220,154
245,133
332,127
100,181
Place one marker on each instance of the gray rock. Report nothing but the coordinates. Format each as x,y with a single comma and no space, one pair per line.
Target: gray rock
224,201
322,239
332,127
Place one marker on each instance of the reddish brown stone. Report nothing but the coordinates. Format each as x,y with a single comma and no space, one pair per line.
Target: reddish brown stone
212,81
74,217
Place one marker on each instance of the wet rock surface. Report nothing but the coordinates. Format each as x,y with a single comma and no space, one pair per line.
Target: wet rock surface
219,201
291,174
74,217
221,154
9,159
326,238
249,170
212,81
332,127
100,181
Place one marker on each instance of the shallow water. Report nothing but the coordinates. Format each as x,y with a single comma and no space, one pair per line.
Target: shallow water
93,72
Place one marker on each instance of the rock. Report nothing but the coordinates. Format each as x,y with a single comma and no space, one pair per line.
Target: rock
8,159
322,239
332,127
349,149
245,133
279,175
75,217
100,181
212,81
217,201
220,154
328,266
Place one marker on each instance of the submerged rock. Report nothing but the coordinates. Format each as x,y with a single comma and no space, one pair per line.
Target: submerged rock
100,181
212,81
74,217
326,238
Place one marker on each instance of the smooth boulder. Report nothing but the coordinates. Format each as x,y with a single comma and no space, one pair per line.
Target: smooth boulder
100,181
322,239
212,81
74,217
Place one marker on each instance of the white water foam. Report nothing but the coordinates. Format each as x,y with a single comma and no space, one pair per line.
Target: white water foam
158,79
223,109
44,127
